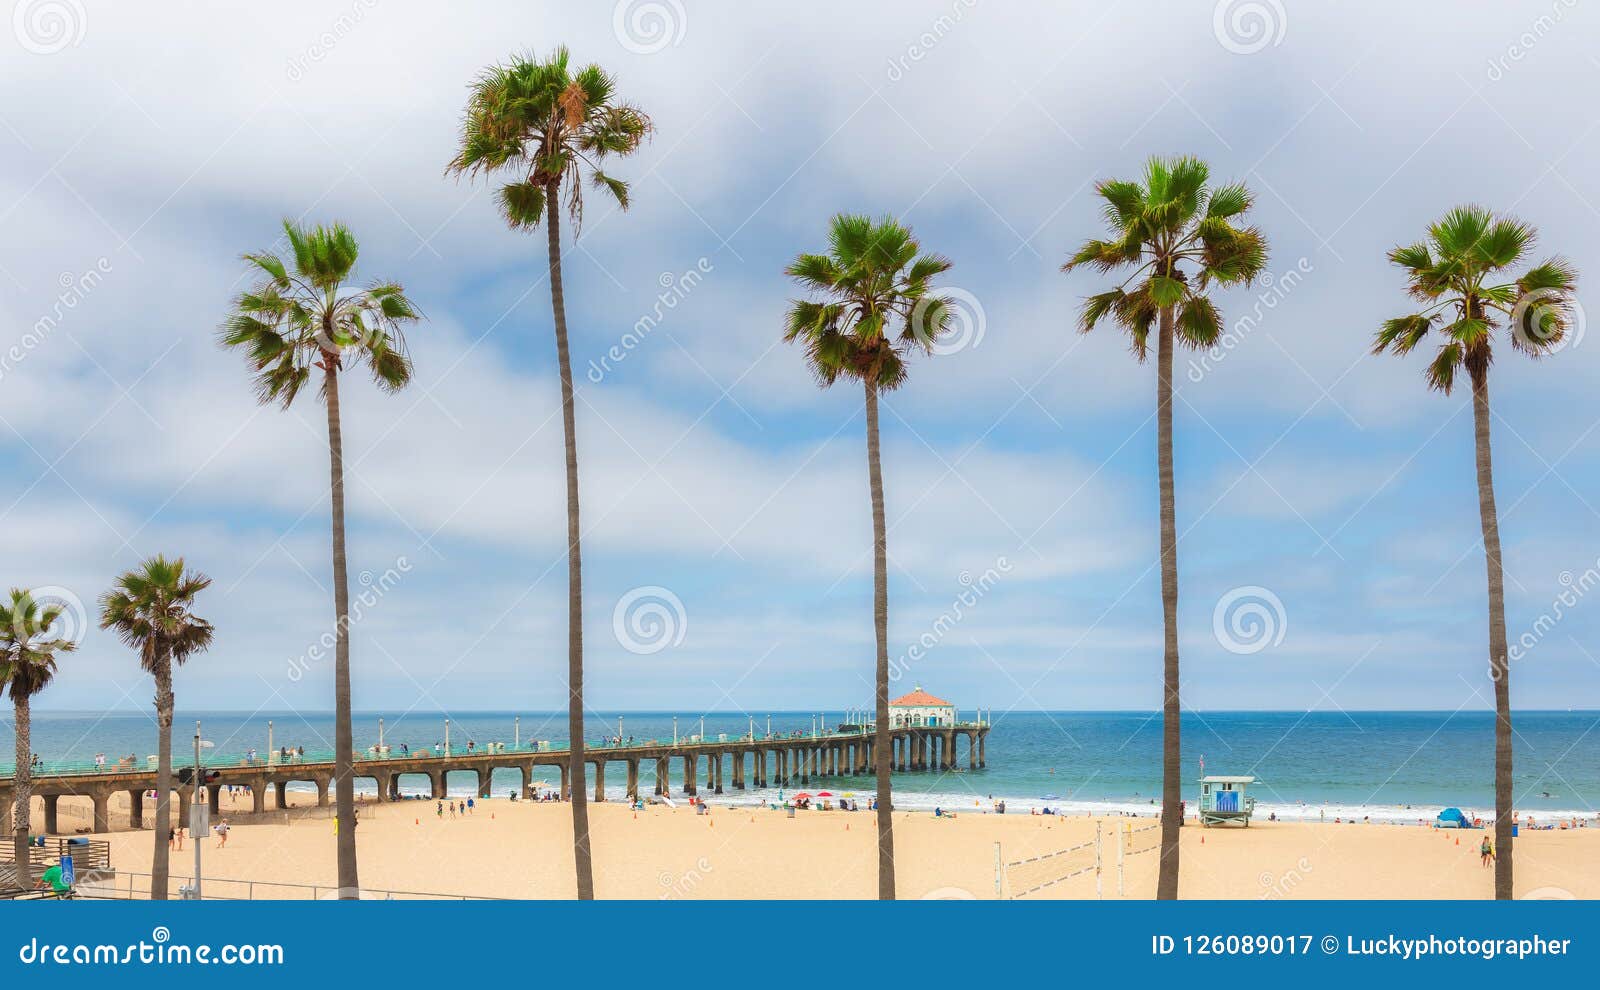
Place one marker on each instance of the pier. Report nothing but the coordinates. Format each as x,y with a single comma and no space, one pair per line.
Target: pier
738,763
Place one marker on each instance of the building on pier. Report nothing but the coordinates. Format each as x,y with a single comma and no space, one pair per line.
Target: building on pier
919,708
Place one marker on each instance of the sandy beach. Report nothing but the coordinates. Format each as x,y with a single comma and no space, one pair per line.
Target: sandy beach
523,850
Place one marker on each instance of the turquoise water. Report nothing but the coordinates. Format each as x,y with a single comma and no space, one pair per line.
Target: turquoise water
1330,764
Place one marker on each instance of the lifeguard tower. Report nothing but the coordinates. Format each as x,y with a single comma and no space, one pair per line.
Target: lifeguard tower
1223,801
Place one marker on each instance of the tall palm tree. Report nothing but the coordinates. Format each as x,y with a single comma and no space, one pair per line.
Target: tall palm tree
1175,237
876,310
27,663
151,609
304,314
545,125
1460,275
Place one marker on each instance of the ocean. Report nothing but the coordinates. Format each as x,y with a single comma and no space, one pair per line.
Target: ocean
1391,766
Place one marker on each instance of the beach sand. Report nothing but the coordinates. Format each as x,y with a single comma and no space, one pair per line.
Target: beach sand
524,850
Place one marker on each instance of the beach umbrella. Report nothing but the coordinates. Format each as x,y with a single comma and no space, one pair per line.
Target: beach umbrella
824,794
796,797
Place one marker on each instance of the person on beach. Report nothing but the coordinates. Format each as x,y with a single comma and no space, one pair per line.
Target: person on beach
53,878
441,809
1485,851
222,833
470,805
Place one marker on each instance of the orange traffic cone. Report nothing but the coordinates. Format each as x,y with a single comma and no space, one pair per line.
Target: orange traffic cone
416,821
1458,840
1202,840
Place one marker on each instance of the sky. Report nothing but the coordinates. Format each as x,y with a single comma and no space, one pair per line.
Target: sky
1329,550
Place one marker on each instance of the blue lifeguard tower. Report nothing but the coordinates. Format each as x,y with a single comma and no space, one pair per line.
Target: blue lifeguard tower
1223,801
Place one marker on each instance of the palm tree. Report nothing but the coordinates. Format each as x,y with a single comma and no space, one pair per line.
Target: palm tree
1460,275
876,311
151,609
27,663
544,126
1175,237
304,315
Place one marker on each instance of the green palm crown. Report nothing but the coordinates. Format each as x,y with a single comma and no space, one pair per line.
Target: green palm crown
1460,274
304,314
547,123
1175,236
877,306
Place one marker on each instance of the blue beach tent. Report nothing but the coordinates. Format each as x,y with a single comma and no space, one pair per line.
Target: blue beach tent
1453,818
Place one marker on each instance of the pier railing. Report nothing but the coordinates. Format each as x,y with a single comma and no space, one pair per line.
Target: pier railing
274,759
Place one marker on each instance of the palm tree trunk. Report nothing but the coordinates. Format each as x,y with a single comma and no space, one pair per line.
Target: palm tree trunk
1499,665
344,784
164,706
1171,752
581,855
21,814
880,622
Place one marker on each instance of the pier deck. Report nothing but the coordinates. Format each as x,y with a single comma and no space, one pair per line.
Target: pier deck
763,761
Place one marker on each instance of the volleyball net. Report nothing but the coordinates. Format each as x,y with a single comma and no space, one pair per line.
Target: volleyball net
1030,875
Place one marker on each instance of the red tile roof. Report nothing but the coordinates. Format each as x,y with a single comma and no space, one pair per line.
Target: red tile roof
920,699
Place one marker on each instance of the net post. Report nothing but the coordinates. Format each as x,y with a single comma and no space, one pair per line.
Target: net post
1122,843
1099,894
